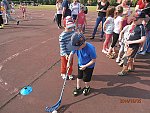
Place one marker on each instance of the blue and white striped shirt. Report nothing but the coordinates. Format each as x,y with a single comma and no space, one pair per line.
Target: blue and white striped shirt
64,39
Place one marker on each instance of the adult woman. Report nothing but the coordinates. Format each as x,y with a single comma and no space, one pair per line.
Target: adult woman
75,9
59,12
140,5
126,12
101,9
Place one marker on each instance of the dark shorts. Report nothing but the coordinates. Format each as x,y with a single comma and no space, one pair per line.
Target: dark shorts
131,52
86,74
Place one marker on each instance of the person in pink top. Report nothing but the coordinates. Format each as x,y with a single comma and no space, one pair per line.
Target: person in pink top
81,20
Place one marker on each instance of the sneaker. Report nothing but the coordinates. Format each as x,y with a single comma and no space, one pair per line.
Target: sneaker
92,37
1,27
76,92
104,51
70,77
117,60
86,91
121,63
122,73
17,22
63,76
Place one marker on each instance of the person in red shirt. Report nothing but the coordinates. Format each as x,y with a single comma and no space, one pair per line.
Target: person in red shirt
140,5
81,20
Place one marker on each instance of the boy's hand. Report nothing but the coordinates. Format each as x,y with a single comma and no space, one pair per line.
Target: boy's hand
82,67
66,57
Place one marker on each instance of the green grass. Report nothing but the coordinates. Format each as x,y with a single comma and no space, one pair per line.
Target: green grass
52,7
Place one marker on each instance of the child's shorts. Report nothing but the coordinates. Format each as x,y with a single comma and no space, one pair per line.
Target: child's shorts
86,74
131,52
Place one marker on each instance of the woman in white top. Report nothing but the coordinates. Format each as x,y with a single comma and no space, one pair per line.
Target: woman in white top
59,12
75,9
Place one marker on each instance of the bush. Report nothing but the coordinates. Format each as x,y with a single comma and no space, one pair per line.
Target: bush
113,3
134,2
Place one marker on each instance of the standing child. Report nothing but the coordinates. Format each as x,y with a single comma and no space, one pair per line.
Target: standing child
1,16
108,28
123,37
23,10
137,36
64,39
86,61
59,13
117,29
81,20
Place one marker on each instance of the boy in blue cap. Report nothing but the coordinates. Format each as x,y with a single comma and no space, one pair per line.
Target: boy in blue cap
86,54
136,38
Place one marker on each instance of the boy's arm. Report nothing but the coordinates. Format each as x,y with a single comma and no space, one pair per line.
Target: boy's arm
122,32
120,25
63,47
142,40
88,64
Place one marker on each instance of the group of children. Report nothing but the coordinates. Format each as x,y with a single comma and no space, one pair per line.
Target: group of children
6,9
130,38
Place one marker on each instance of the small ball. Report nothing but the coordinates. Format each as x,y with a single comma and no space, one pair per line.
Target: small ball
5,83
54,111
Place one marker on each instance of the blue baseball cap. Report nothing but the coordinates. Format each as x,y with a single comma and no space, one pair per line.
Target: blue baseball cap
77,39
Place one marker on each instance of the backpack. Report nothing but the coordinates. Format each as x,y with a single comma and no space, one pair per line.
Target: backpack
85,9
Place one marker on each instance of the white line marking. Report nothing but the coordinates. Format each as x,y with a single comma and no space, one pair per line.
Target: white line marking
17,54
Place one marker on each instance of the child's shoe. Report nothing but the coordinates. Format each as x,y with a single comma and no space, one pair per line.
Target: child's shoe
76,92
117,60
63,76
86,90
122,73
71,77
104,51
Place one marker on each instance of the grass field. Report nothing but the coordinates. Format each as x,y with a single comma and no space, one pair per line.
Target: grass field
52,7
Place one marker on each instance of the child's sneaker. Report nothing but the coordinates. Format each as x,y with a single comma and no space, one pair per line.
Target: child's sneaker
1,27
76,92
86,91
117,60
63,76
104,51
70,77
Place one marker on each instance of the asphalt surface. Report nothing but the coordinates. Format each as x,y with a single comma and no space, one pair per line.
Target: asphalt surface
29,55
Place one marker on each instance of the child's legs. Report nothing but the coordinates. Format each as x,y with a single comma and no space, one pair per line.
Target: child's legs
115,39
64,66
59,16
87,75
130,63
1,20
107,40
121,50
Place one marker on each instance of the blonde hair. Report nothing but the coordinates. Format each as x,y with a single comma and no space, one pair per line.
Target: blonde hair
110,12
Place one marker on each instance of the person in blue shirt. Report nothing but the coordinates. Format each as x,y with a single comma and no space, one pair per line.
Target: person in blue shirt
7,12
86,54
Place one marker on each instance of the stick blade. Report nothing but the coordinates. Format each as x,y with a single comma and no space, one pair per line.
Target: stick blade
54,107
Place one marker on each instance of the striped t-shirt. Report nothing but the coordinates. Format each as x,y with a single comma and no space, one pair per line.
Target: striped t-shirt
64,39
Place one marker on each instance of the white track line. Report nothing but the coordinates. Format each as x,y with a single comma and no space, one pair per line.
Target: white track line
6,42
17,54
